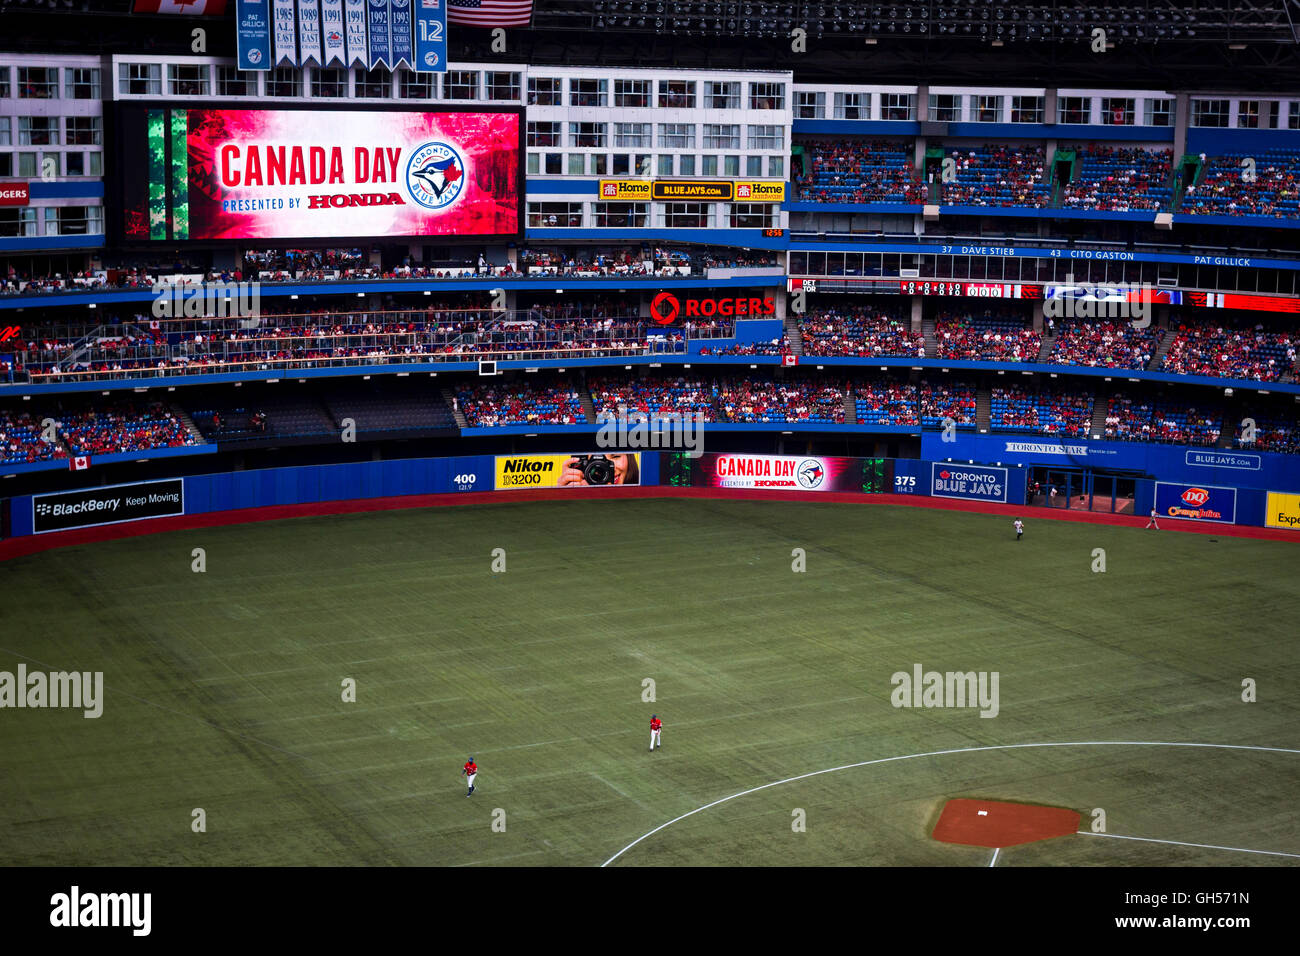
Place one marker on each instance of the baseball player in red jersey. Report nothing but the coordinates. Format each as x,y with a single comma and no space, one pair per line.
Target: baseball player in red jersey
470,771
655,726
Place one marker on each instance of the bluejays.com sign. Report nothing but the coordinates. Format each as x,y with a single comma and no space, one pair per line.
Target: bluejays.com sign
970,482
1196,502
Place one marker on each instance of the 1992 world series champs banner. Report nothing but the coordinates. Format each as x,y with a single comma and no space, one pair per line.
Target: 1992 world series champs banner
779,472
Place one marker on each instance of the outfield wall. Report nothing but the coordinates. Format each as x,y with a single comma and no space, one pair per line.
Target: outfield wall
997,486
1215,466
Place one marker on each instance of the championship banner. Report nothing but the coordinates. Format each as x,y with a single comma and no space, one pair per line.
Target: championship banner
430,36
1282,511
354,32
285,32
399,40
290,174
779,472
331,23
253,34
378,15
567,471
309,32
1196,502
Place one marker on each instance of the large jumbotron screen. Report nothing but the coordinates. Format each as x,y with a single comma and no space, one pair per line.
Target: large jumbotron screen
212,174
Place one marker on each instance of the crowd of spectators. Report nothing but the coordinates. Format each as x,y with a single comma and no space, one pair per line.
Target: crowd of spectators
861,331
1049,411
21,442
1217,350
845,171
1225,189
150,346
1128,419
754,400
124,426
955,400
1181,424
1102,344
777,346
1272,433
1120,179
651,396
998,176
519,404
992,333
886,403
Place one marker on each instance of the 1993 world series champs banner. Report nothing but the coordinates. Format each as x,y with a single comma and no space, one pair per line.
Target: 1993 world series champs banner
779,472
257,174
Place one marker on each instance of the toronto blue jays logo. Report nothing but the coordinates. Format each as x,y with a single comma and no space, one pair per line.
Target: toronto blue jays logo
811,473
435,175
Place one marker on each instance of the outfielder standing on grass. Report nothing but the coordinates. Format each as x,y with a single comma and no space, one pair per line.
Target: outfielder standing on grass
655,726
470,771
1152,522
1020,529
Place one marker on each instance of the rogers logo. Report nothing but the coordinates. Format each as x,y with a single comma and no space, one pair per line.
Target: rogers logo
657,308
1195,497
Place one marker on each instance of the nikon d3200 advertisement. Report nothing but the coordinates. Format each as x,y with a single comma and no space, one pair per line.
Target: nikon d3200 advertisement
567,471
108,505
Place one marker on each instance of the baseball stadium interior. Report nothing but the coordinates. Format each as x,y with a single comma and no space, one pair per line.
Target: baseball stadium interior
296,280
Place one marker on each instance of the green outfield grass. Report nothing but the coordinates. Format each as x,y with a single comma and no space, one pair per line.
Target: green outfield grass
223,689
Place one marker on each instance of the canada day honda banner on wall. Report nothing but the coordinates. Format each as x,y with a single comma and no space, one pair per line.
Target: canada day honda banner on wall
782,472
258,174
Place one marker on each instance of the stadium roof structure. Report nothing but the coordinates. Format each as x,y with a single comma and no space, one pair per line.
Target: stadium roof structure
1177,45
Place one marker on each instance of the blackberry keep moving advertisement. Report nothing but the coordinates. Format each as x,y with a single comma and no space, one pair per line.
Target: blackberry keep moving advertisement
108,505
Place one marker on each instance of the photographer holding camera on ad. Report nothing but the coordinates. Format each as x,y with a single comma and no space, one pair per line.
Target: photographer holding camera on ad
590,470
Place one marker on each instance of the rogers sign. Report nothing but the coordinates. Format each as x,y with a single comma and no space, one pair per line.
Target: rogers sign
666,307
15,194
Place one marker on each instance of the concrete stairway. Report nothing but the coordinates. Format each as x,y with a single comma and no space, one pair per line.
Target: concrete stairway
1158,357
449,397
588,407
931,343
793,335
850,408
183,417
1101,404
983,408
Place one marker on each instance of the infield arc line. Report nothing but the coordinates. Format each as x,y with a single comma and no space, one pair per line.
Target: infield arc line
1203,846
944,753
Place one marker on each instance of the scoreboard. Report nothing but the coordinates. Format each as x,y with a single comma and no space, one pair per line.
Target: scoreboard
970,290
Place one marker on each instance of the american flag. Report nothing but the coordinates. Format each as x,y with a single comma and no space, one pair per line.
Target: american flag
490,13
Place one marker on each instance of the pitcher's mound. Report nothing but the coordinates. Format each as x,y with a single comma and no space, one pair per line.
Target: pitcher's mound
994,824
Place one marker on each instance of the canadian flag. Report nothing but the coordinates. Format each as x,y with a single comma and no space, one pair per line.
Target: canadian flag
79,463
192,8
789,360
